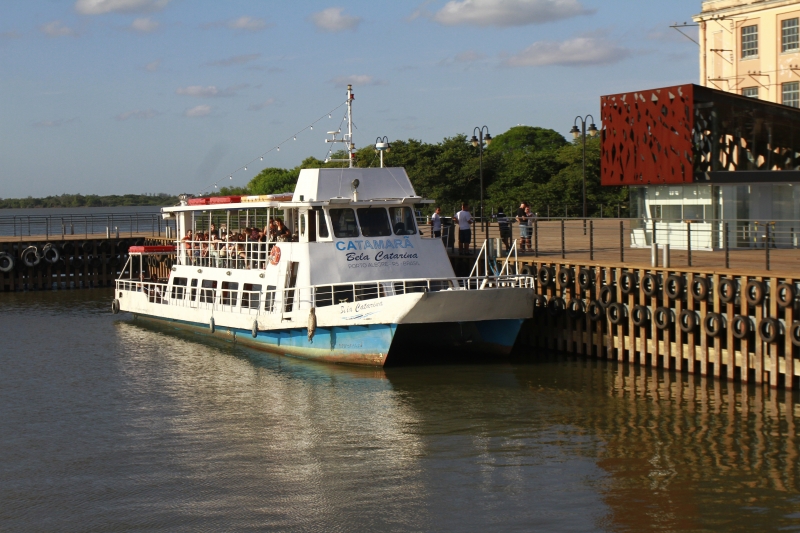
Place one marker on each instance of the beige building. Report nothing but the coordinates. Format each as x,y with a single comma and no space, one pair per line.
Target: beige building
752,48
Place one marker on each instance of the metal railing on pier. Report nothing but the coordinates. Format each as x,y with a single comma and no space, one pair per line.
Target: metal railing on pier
91,225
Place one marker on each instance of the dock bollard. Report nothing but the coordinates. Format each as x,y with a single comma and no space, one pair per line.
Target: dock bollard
665,260
108,232
116,231
72,229
654,255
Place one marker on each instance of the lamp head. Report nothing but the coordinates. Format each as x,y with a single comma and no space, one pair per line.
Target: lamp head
488,139
575,132
593,130
474,141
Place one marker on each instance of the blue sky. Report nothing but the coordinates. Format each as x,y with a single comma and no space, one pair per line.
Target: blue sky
136,96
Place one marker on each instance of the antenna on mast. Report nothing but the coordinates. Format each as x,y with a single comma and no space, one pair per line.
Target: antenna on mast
347,137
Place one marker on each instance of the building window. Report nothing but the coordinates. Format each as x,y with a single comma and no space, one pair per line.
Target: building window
791,94
790,36
750,92
749,41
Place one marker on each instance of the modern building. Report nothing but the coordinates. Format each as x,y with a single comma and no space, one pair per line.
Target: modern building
751,48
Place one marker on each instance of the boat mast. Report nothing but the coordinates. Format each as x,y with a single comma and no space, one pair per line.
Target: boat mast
348,137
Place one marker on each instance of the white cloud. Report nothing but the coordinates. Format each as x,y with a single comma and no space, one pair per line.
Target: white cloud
505,13
198,91
144,115
54,123
332,20
357,80
581,51
198,111
262,105
235,60
153,66
247,24
57,29
100,7
145,25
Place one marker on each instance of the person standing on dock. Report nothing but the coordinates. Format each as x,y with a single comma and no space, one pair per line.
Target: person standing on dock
436,223
505,228
524,227
464,218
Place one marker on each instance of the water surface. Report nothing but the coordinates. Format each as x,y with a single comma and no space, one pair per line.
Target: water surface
110,425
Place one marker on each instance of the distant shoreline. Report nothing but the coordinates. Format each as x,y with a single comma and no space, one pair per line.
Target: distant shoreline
89,200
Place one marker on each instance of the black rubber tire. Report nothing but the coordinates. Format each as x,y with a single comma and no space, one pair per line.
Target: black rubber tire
673,286
544,275
663,317
50,253
114,306
68,248
769,330
649,285
77,263
585,279
710,320
627,282
699,288
565,277
211,325
727,290
30,257
87,248
640,315
595,311
741,326
617,313
527,271
754,292
539,303
7,262
556,306
576,308
607,295
785,294
687,321
795,333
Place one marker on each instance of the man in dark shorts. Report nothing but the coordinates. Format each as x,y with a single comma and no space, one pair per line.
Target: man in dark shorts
505,228
463,218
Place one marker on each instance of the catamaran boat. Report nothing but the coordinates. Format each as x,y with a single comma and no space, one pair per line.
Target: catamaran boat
351,280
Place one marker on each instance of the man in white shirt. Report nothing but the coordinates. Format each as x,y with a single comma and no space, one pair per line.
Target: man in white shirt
436,223
463,218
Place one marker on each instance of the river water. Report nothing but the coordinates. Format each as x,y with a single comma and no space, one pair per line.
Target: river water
110,425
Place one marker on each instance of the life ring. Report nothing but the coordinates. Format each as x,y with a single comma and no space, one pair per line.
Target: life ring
769,329
50,253
674,286
699,288
687,321
649,285
616,313
115,306
595,311
713,324
544,275
627,282
795,333
211,325
785,294
565,277
754,292
275,255
607,296
556,306
640,315
727,290
585,278
663,317
576,308
741,326
6,262
30,256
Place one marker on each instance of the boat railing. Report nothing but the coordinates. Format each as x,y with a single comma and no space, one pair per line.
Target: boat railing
235,255
228,297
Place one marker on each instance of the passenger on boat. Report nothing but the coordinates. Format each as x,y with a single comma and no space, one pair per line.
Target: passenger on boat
283,234
213,248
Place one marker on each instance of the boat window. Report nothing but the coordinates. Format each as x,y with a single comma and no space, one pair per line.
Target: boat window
179,288
250,295
322,225
343,222
269,298
373,222
302,225
289,284
208,291
194,290
230,290
402,220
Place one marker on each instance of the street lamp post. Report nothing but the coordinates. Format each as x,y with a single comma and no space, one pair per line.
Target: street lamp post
478,138
582,133
382,145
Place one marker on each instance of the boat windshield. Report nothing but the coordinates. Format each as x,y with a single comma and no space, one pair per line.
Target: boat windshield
402,220
343,223
374,222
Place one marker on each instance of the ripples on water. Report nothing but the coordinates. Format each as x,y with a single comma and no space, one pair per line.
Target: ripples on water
108,425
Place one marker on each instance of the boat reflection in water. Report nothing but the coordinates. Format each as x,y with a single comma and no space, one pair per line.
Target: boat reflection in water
554,443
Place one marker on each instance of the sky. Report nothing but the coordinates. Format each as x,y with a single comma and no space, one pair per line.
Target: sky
177,96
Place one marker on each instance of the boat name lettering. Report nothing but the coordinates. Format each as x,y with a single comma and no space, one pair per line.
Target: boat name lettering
374,244
360,306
